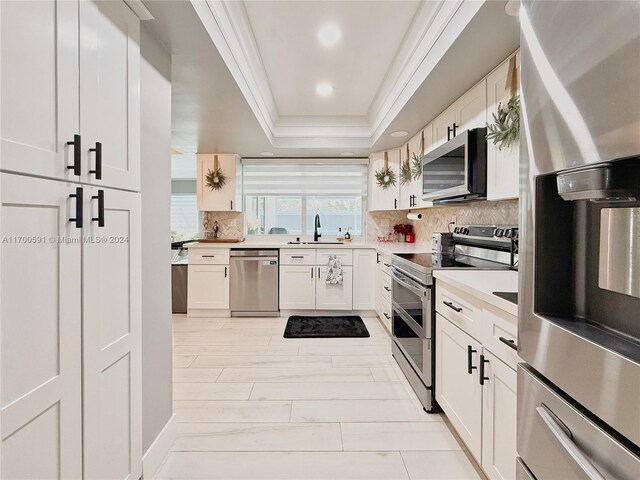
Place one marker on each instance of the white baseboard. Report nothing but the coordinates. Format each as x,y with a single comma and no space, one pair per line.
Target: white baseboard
155,455
207,313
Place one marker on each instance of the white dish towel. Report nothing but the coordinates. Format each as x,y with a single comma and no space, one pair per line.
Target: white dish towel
334,270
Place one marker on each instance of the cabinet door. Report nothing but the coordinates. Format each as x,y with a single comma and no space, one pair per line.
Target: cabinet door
110,92
499,405
502,165
406,189
40,330
364,272
298,287
111,334
334,297
415,146
228,198
39,108
458,392
208,287
470,109
442,127
379,198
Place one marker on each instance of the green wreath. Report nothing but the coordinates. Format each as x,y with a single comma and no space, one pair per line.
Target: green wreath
215,179
405,173
505,129
416,167
385,178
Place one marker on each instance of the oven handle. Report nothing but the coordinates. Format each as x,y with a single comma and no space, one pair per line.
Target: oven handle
566,443
411,323
420,291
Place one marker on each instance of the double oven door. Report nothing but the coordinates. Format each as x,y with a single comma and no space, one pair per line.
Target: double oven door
411,322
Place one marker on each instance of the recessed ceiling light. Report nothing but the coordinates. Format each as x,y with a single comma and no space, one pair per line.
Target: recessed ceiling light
266,154
324,89
347,154
399,133
329,35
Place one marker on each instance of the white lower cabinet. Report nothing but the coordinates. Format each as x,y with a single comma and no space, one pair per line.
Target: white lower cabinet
499,405
477,387
364,272
334,296
459,392
298,287
208,287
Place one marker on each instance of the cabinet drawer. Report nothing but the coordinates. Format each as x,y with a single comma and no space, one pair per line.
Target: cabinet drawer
322,256
498,324
384,264
385,289
385,314
209,257
297,256
460,308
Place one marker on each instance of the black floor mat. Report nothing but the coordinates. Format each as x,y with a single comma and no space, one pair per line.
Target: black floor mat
325,327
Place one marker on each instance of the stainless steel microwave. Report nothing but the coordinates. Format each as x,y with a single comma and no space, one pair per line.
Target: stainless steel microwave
456,171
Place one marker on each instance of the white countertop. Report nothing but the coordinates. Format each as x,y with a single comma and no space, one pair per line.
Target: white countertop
482,284
390,247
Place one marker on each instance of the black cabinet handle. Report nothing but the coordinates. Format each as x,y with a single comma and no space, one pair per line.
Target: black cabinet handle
448,133
225,272
387,265
297,256
482,362
395,203
452,306
455,127
98,171
470,352
387,289
509,343
318,272
312,269
77,154
208,256
100,217
386,315
231,204
79,200
377,257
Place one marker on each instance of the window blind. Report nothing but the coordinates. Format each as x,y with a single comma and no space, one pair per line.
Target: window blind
185,218
304,179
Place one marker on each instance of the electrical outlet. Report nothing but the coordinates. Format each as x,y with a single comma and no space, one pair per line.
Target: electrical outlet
453,219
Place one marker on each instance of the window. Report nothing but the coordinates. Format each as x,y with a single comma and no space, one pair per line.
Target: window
283,198
185,217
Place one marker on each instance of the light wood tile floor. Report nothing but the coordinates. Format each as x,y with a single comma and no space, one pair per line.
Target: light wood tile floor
252,405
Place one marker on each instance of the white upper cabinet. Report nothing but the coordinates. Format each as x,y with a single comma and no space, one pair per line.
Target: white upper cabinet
411,193
443,127
40,85
502,165
381,198
80,107
110,94
470,109
229,197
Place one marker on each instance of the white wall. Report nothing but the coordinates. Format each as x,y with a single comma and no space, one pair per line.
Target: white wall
155,150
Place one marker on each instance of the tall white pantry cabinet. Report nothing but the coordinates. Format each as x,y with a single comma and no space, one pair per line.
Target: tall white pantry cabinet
70,313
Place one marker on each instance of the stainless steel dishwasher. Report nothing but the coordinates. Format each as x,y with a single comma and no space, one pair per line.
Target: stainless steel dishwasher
254,283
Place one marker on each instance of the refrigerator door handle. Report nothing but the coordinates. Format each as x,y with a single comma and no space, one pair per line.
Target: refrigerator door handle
562,435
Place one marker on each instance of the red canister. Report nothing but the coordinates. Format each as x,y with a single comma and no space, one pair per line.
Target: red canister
410,237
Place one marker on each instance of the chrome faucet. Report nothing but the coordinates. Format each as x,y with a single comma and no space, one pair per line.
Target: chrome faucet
316,234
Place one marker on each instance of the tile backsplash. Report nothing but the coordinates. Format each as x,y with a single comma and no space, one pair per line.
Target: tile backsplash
436,219
231,223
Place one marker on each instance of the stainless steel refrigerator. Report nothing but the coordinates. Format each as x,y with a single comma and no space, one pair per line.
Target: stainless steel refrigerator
579,312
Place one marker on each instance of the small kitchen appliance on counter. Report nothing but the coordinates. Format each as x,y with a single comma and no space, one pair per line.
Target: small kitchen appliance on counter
489,247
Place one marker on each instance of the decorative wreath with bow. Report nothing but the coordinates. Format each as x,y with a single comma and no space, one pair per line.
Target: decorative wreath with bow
386,178
411,168
505,129
215,179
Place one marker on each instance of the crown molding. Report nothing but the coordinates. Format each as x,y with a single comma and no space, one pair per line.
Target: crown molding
432,31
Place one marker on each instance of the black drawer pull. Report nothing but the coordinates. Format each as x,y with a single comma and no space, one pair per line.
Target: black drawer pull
79,199
388,265
225,272
77,154
98,170
453,307
387,315
312,269
482,362
470,352
208,256
509,343
100,217
387,289
297,256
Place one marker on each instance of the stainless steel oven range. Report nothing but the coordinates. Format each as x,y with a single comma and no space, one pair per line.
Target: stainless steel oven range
412,289
579,314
